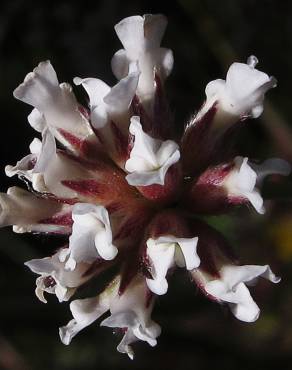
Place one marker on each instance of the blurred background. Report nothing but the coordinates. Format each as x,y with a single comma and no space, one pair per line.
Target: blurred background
206,37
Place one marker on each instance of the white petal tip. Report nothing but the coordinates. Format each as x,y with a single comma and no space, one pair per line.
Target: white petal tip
131,355
108,253
247,315
77,81
276,280
20,91
158,287
70,264
64,335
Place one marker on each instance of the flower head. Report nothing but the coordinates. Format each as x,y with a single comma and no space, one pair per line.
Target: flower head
126,192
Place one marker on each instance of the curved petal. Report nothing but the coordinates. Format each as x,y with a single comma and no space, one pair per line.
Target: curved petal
55,279
141,38
95,88
131,312
120,96
162,258
150,158
231,288
37,120
166,251
188,248
22,208
91,235
120,64
57,103
242,181
85,312
242,94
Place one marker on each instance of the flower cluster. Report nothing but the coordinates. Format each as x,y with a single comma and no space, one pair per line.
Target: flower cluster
125,192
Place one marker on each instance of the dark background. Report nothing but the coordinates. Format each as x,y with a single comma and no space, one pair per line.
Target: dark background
206,37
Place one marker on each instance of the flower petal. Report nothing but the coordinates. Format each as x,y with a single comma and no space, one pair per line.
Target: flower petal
95,88
85,312
242,94
135,330
56,102
150,158
19,207
241,182
91,235
120,96
55,279
136,33
188,247
37,120
231,288
141,38
162,258
166,251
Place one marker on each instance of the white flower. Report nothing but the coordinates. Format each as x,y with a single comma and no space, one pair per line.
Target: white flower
242,94
141,38
167,251
46,167
129,310
25,211
25,167
55,279
91,236
150,158
231,288
55,103
34,166
241,182
109,103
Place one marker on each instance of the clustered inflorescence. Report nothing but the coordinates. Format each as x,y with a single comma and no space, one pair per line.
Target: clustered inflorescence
125,191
